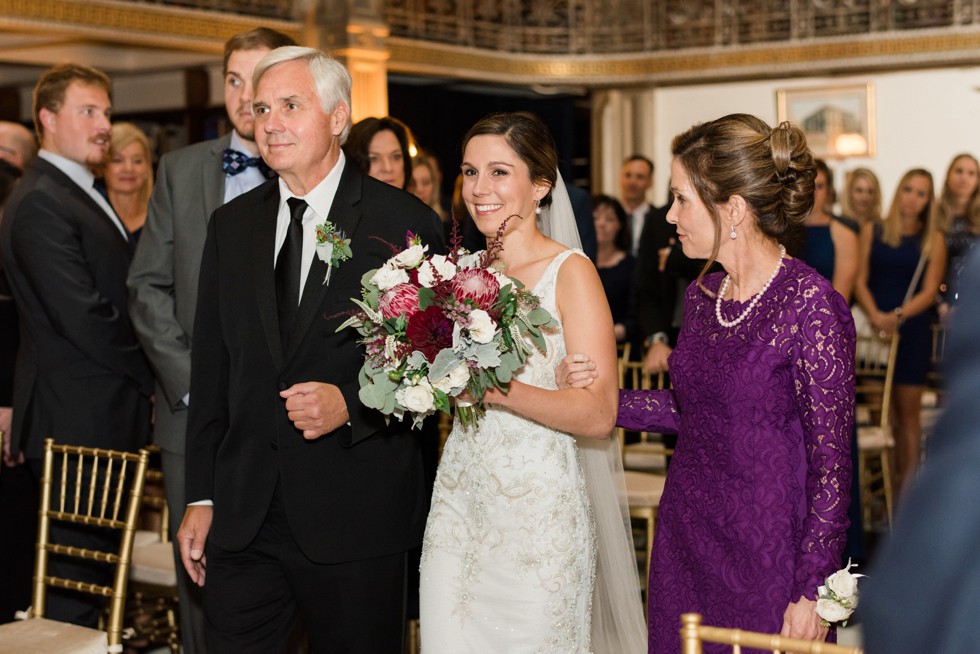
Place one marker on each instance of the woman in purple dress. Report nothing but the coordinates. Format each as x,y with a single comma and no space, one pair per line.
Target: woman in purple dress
754,513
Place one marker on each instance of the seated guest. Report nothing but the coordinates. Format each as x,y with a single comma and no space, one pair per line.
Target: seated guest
615,263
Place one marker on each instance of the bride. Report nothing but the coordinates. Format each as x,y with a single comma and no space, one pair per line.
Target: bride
527,546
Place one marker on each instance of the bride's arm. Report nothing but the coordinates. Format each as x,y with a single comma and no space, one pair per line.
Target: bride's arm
588,328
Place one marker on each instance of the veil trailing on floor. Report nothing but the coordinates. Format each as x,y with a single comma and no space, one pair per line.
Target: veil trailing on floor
618,624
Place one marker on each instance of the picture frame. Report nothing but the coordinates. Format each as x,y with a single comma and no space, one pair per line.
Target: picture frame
839,121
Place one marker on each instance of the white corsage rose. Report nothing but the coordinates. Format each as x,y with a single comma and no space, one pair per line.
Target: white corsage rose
389,276
831,611
482,326
838,597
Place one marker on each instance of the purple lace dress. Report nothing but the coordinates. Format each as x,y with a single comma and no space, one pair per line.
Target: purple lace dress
754,513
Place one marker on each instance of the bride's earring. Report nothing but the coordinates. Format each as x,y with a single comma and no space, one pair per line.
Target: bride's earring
733,235
537,207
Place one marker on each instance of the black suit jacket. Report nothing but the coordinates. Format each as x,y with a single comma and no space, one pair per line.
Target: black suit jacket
81,377
352,494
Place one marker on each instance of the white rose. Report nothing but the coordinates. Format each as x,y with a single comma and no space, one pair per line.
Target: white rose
831,611
417,399
469,260
502,279
411,257
325,251
445,268
455,379
482,326
842,583
388,277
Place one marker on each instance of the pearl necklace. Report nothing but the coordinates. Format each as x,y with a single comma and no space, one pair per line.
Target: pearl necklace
755,298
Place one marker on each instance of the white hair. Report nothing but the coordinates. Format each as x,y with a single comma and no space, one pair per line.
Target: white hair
331,78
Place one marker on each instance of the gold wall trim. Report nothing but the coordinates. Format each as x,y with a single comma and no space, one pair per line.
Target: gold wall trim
129,22
680,66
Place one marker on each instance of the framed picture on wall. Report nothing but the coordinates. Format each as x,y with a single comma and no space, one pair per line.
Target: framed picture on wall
839,121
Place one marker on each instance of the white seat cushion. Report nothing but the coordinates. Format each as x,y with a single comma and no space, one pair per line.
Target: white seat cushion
144,537
643,488
41,636
874,438
154,564
639,457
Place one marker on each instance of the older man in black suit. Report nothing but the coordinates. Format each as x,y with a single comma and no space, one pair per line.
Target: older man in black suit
315,500
81,377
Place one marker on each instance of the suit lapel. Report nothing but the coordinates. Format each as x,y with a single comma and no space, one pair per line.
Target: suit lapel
345,218
80,195
263,256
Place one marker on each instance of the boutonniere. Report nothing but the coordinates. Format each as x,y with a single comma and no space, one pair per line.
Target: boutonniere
332,246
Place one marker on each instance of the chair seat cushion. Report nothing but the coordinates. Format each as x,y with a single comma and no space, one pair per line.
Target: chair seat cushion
154,564
144,537
41,636
874,438
643,488
638,458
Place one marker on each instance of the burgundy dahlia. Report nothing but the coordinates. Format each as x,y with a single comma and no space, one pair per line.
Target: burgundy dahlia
430,332
478,285
403,298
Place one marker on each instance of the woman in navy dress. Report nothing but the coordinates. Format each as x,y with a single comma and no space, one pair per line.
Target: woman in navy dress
958,217
890,253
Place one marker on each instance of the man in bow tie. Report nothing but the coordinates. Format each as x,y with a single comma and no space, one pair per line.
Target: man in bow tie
190,184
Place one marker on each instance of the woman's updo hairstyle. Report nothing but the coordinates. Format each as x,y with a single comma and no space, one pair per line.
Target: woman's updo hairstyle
530,139
739,154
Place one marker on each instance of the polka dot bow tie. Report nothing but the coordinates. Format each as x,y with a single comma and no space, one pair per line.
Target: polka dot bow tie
234,162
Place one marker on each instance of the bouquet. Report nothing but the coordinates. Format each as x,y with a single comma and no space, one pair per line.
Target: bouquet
838,597
434,326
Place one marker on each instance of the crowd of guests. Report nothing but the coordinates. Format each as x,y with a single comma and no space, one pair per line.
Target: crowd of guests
136,289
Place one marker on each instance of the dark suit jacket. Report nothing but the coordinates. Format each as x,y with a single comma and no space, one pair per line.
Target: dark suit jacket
81,377
923,593
353,494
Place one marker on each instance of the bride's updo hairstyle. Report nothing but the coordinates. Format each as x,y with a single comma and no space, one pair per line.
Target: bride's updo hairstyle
530,139
739,154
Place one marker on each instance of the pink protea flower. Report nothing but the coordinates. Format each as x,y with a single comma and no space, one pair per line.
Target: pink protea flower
477,285
403,298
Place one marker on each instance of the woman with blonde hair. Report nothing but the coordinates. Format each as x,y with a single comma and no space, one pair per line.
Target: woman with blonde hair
128,175
862,196
958,217
901,265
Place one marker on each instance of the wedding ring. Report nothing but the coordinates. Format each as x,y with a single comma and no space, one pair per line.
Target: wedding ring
882,334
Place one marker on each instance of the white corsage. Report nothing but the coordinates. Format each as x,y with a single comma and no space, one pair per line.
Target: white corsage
332,247
838,597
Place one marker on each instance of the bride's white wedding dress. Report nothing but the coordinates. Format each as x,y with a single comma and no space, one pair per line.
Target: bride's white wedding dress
509,556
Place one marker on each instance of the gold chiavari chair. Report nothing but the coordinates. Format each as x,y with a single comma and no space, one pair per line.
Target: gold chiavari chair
694,634
874,371
152,606
97,488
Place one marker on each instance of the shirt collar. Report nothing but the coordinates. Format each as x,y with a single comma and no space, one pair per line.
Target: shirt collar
320,198
75,171
237,143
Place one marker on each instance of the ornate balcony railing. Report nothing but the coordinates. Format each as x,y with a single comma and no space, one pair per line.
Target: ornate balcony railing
279,9
643,26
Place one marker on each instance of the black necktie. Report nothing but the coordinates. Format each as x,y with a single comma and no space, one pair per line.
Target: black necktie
288,266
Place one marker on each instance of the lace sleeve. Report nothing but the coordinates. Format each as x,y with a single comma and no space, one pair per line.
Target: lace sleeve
648,411
824,377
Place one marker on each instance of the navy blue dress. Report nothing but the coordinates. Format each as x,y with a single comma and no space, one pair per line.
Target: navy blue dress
890,273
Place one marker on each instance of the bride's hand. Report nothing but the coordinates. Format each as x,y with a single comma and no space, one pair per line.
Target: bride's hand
575,371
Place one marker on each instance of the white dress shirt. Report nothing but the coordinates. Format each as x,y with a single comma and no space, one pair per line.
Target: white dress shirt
245,181
637,217
319,201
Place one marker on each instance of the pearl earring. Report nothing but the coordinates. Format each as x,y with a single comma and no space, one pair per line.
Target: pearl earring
733,234
537,207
